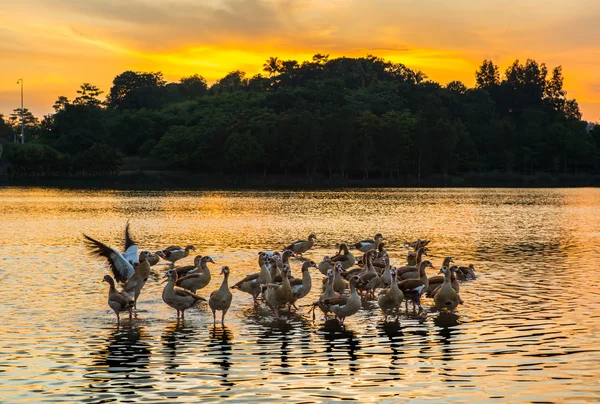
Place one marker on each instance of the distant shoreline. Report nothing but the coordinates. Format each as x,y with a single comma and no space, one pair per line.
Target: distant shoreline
156,180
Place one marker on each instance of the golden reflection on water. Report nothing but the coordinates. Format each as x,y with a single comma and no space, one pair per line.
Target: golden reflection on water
528,330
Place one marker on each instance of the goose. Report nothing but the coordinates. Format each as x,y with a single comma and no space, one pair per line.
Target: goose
302,287
369,280
264,254
325,265
344,256
367,245
176,297
391,298
416,244
411,271
301,246
196,279
436,281
345,306
386,275
175,253
220,299
414,288
277,295
466,273
327,294
125,267
413,258
150,257
338,281
251,284
285,260
446,297
118,301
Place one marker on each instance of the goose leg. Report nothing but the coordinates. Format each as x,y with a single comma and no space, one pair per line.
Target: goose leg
182,315
223,317
118,318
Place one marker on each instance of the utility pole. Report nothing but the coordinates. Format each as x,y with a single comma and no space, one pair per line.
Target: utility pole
22,114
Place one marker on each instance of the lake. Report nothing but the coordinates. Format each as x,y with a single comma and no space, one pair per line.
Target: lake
529,329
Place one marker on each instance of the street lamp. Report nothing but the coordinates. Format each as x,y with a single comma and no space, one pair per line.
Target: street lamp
22,114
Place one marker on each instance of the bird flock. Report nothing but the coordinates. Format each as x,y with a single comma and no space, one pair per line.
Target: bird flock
348,281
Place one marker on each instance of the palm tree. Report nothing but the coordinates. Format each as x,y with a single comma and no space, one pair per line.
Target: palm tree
272,66
419,77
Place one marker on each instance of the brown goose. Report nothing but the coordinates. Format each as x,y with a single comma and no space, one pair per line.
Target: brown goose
220,299
175,253
285,260
125,267
437,281
251,284
369,280
414,288
277,295
367,245
415,245
118,301
413,258
345,306
446,298
344,256
199,266
466,273
301,246
196,279
338,280
264,254
412,272
391,298
301,287
325,265
176,297
148,256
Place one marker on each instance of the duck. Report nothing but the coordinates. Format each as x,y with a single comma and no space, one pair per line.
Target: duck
325,265
437,281
366,245
150,257
344,256
178,298
301,246
345,306
466,273
414,288
446,297
301,287
221,298
200,265
252,283
175,253
391,298
327,294
118,301
196,279
125,267
277,295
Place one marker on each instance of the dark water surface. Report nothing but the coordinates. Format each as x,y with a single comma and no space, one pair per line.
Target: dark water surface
529,329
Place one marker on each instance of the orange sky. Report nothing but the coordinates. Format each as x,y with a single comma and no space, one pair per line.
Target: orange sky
58,44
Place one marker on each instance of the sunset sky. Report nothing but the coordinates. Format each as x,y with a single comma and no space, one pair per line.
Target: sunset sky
56,45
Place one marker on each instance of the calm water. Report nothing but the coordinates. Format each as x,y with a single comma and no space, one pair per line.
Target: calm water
529,329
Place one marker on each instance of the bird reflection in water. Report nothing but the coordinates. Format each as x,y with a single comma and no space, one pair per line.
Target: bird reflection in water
393,331
219,349
123,359
448,325
332,331
175,338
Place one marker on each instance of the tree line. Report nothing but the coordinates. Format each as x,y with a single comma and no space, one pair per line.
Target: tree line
352,117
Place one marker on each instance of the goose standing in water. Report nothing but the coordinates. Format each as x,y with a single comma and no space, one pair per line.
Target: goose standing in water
367,245
327,294
301,246
301,287
220,299
175,253
391,298
446,298
176,297
413,289
344,256
118,301
252,283
196,279
277,295
125,267
345,306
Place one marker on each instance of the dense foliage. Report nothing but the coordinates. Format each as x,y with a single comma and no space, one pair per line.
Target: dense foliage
354,117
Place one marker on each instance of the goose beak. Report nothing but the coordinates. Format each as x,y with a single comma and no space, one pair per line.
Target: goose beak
211,260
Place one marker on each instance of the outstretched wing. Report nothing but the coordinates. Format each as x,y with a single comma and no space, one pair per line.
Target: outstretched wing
131,248
121,268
